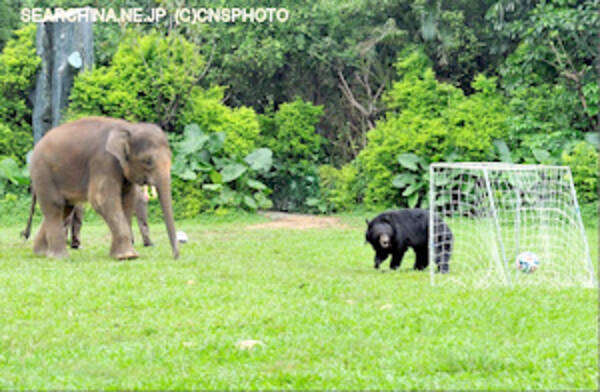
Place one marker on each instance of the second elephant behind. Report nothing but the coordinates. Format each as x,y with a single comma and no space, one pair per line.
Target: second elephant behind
75,219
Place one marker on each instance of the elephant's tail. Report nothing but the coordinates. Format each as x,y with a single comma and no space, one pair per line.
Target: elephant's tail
27,232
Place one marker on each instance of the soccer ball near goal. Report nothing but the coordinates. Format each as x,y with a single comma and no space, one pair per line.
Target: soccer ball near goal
498,212
527,262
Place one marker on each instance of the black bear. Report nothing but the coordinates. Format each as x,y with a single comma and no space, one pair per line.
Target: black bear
393,232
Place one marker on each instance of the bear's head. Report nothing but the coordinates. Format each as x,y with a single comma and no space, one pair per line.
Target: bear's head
379,234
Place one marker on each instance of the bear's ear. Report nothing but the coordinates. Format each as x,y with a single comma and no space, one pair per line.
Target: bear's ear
386,220
368,223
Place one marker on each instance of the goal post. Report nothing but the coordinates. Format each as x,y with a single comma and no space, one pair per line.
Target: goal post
498,210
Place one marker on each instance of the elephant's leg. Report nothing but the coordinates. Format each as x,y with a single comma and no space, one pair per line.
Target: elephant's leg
40,243
55,233
67,224
107,201
141,213
76,221
51,239
128,208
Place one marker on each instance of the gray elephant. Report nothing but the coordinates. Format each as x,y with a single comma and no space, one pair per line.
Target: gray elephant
99,160
74,221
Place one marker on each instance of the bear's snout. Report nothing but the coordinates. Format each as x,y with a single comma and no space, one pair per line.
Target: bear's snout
384,241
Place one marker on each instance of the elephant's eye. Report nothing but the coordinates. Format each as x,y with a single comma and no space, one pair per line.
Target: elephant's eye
148,162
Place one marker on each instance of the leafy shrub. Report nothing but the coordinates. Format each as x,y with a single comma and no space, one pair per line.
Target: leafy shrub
541,124
293,136
433,121
154,79
207,179
13,178
340,188
18,67
241,125
297,149
149,80
191,198
583,160
414,180
15,144
295,185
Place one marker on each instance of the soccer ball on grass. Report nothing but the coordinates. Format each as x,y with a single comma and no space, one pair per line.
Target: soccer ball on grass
527,262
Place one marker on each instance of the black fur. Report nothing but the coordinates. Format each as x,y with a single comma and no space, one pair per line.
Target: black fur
409,228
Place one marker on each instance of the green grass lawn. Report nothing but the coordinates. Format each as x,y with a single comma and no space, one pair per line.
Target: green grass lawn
325,317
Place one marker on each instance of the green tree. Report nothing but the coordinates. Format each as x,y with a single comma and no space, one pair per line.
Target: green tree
431,120
18,67
292,135
559,45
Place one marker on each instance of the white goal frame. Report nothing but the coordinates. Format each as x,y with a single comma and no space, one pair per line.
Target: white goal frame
497,210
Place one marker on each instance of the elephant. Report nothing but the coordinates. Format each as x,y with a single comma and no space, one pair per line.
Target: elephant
74,220
99,160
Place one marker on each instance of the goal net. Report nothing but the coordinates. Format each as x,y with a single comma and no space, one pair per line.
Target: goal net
497,211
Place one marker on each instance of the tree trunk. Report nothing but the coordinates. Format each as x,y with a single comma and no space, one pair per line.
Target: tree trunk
65,49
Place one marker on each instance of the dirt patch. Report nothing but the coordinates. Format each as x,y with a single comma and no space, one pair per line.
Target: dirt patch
283,220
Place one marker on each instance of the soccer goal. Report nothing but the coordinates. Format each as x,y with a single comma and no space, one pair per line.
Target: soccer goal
496,211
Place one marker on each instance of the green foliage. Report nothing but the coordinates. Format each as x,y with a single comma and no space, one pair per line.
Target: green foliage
433,121
205,108
293,136
559,45
477,120
297,149
295,186
414,180
206,178
149,78
542,117
13,178
15,144
154,79
18,66
340,188
9,18
583,160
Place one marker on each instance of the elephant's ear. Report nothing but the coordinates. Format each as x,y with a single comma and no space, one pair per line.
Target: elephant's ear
118,145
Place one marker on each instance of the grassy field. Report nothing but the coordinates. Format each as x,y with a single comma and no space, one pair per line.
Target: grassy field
325,318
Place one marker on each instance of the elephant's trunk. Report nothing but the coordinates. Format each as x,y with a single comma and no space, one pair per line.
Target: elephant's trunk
163,186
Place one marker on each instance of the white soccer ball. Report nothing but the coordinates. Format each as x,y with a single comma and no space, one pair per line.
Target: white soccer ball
182,237
527,262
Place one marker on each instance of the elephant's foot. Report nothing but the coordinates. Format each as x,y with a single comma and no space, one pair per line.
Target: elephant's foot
125,252
40,251
58,254
40,245
121,249
127,255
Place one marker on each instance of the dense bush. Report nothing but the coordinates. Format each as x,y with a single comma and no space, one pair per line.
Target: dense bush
205,108
13,178
297,150
583,160
545,117
340,188
292,135
206,178
18,66
154,79
15,144
432,120
149,79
